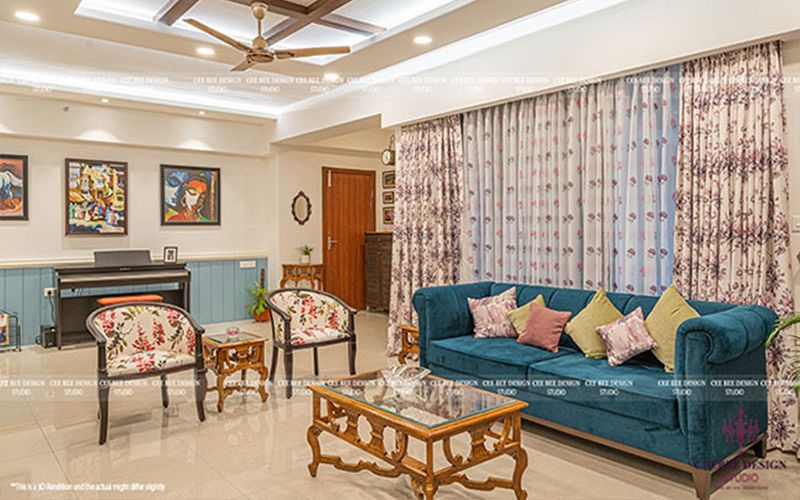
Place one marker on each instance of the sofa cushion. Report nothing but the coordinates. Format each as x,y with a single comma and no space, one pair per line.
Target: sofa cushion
519,316
583,327
663,322
492,358
633,390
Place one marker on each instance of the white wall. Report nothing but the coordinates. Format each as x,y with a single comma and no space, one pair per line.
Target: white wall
40,129
629,36
302,171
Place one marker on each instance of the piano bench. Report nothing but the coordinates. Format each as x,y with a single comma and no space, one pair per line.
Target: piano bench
126,299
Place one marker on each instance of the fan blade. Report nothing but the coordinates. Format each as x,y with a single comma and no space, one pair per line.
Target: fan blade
312,51
243,66
219,36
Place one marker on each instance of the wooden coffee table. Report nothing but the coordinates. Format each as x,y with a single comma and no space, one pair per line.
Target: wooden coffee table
436,411
226,355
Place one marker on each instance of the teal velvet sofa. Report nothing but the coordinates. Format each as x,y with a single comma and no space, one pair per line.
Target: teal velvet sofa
711,410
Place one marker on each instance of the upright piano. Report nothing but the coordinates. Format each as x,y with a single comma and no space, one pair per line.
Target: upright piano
79,286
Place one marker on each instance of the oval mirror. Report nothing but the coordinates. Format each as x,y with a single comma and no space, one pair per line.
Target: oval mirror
301,208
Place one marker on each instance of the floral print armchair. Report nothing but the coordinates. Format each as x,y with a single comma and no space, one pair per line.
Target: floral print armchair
303,318
144,339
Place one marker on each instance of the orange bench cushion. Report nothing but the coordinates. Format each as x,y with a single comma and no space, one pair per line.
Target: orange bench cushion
111,301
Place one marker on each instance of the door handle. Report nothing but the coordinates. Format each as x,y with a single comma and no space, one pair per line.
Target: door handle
331,241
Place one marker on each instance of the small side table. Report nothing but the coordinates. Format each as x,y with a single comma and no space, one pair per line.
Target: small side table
226,355
409,344
297,272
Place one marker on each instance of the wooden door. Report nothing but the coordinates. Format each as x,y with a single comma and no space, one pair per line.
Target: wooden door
348,212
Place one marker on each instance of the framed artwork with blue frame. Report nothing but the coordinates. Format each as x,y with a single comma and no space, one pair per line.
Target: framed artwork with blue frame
190,196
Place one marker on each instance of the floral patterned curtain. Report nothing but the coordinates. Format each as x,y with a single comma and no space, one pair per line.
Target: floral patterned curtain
426,247
732,230
575,188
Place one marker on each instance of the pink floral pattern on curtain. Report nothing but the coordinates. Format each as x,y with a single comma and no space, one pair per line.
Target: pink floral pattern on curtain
575,188
426,246
732,230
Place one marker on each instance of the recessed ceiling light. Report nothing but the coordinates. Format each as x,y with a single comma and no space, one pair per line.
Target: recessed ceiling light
24,15
201,113
422,39
331,77
104,100
205,51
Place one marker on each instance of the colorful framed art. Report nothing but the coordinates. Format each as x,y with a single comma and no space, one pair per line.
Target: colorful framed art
190,196
10,335
388,215
96,197
388,179
13,187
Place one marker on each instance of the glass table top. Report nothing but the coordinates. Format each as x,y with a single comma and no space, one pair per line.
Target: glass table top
224,338
430,402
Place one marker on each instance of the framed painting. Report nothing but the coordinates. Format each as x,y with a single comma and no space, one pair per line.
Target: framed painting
388,215
388,179
96,198
13,187
190,196
388,198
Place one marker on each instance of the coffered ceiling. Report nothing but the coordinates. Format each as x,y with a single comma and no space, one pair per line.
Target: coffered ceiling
144,51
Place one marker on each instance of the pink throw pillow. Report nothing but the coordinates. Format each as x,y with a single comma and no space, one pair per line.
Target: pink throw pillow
626,337
489,314
544,327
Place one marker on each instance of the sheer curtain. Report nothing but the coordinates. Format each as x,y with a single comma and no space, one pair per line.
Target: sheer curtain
732,229
575,188
426,246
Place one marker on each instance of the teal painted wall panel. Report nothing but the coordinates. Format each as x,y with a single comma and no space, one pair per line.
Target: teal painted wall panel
218,292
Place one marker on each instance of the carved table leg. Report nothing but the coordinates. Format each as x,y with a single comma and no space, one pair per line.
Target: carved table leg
521,459
221,393
313,442
262,383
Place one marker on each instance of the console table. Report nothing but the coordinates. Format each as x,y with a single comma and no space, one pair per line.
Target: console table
297,272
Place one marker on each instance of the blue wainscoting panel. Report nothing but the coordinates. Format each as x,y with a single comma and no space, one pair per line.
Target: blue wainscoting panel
219,292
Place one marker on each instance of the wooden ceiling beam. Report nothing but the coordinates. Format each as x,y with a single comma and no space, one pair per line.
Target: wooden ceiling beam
282,7
284,29
174,10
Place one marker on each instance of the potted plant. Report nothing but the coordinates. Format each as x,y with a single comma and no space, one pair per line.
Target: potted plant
305,254
258,307
782,324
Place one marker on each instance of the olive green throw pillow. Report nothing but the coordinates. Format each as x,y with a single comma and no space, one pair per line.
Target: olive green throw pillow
519,316
663,321
583,327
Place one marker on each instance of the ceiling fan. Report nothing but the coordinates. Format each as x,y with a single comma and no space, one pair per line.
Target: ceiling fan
260,52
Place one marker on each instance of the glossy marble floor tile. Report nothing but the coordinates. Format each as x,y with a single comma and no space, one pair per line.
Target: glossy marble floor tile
48,438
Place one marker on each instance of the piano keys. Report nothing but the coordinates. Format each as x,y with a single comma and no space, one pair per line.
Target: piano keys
79,286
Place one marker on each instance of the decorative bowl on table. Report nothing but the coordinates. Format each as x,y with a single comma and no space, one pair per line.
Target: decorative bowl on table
403,379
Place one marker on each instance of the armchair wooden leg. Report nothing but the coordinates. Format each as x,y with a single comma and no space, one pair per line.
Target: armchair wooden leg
316,363
102,393
164,394
200,389
274,363
351,356
702,483
287,364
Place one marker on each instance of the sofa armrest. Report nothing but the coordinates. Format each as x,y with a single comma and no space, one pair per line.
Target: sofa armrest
443,312
730,334
720,364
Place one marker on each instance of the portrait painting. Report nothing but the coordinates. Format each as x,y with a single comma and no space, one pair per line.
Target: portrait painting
190,195
13,187
96,198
